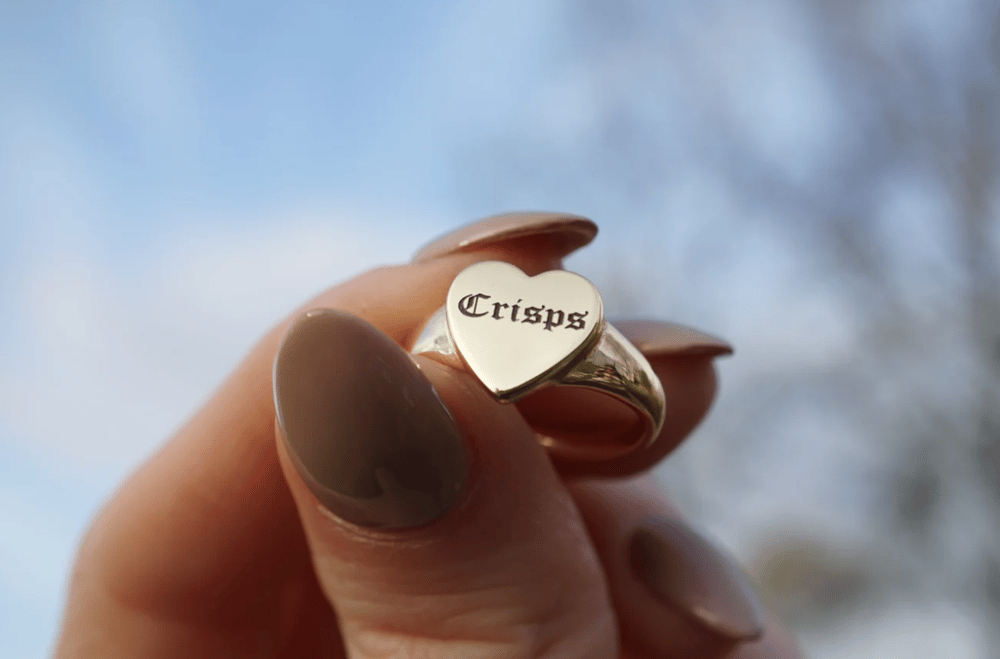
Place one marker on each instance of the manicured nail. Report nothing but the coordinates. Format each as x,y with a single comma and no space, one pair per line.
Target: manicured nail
661,339
364,427
681,569
565,234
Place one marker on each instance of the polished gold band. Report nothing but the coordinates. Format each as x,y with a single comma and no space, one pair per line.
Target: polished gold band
610,365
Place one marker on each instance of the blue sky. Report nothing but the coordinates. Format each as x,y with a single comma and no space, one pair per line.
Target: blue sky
176,176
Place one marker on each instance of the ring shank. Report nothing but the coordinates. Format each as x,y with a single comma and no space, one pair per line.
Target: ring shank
613,367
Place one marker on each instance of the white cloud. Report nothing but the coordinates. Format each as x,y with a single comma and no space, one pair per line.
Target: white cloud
115,360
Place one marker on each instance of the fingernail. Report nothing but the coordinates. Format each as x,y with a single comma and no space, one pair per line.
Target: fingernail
660,339
565,233
364,427
681,569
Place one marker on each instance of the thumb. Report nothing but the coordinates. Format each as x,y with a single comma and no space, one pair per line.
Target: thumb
433,533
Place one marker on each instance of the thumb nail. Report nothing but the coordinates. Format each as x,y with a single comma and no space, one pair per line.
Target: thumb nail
364,427
681,569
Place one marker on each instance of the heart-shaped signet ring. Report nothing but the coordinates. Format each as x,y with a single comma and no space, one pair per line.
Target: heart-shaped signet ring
543,341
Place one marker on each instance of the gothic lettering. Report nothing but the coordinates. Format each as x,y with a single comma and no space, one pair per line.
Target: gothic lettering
540,315
533,315
550,320
467,305
576,320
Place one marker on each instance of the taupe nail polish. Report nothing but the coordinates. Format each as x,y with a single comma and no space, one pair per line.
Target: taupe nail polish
565,233
680,569
364,426
660,339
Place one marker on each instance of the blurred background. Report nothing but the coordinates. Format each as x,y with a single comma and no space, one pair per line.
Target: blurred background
815,180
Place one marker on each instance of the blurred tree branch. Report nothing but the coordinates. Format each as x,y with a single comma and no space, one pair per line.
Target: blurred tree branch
915,116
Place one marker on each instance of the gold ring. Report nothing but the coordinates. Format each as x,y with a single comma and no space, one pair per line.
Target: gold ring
522,335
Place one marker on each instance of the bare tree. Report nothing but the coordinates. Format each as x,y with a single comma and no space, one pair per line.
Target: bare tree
889,195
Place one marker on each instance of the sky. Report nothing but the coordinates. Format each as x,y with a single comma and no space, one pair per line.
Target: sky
175,177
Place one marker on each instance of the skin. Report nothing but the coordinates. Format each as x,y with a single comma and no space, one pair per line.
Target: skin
215,547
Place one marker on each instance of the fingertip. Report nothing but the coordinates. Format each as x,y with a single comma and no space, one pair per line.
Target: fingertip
676,593
656,338
558,234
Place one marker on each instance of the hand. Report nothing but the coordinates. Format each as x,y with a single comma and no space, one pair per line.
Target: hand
380,518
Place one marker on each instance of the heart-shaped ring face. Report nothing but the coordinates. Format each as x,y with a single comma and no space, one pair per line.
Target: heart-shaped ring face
513,331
